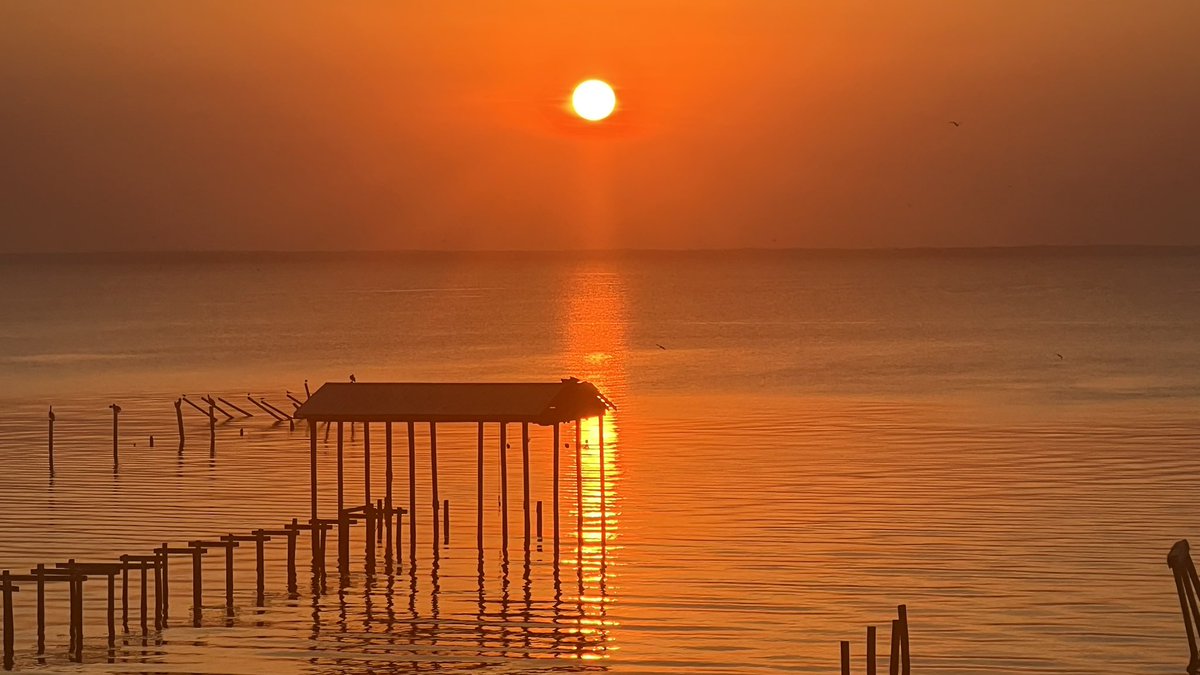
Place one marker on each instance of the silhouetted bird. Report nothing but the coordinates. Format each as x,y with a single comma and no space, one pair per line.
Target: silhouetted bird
1058,355
955,123
660,346
352,380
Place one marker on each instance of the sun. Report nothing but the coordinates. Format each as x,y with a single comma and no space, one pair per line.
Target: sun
594,100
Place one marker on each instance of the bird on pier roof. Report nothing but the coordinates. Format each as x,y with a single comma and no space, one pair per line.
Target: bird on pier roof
352,380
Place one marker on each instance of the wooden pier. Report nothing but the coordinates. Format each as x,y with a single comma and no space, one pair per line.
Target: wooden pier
409,404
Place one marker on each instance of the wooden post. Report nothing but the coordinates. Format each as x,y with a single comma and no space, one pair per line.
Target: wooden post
504,483
125,594
307,393
197,581
368,515
116,411
145,628
905,657
179,420
293,532
554,501
51,440
8,590
399,530
894,661
525,476
412,489
446,522
845,657
259,541
539,520
579,477
343,522
433,473
387,479
212,428
41,608
165,585
112,608
603,493
229,544
380,519
312,486
479,487
871,650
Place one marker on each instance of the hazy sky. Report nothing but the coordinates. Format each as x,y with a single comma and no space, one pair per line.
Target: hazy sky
437,124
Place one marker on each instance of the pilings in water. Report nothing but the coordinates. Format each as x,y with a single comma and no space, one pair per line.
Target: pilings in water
116,411
900,662
179,420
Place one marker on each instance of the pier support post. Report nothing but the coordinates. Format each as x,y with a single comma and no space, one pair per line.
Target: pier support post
145,626
504,484
579,478
343,520
197,582
40,573
905,657
479,489
260,539
555,487
412,490
387,479
525,476
312,488
212,428
894,660
871,650
293,531
845,657
603,493
112,609
368,514
433,475
7,587
229,545
538,521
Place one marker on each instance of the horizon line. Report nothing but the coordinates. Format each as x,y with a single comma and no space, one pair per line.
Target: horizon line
547,251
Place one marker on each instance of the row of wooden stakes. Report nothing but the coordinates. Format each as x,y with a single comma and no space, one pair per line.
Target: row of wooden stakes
900,662
275,413
153,568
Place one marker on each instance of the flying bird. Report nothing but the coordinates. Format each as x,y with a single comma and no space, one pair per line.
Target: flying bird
1058,355
954,123
660,346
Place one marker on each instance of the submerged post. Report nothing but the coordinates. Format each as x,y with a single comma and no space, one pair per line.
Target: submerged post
894,660
197,581
212,427
40,573
579,478
845,657
905,657
539,520
116,411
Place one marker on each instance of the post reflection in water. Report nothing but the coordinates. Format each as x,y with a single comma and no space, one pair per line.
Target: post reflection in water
463,608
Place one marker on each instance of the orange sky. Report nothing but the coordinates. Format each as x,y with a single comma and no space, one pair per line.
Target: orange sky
434,124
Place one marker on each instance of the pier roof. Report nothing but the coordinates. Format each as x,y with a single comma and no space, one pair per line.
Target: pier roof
532,402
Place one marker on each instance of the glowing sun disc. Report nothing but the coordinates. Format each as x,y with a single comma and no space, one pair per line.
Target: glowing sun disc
594,100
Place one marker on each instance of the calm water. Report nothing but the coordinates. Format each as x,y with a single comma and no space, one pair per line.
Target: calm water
824,436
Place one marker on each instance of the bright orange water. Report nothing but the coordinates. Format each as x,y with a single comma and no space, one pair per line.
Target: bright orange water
824,436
